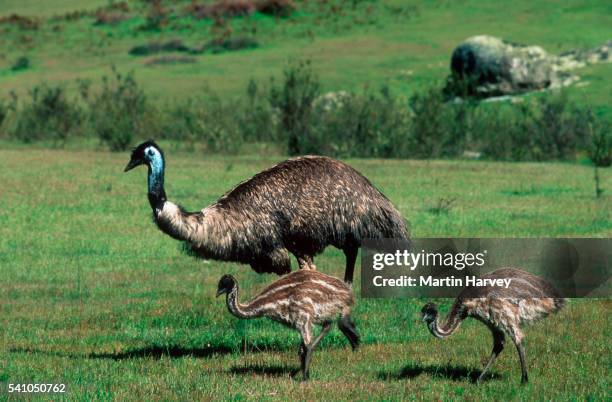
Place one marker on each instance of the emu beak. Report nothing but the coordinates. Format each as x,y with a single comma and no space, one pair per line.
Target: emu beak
132,164
219,292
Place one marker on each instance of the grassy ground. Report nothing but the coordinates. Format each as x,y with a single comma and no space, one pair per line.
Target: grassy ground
91,294
406,45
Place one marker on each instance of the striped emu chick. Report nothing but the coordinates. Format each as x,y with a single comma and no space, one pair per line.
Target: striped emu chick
300,300
503,311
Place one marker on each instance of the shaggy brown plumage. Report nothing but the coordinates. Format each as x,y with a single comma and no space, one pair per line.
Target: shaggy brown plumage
299,206
300,300
503,311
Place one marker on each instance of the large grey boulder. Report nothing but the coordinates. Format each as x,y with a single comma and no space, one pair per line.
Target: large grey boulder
488,66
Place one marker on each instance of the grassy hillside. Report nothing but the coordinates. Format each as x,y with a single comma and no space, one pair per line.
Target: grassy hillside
406,45
92,294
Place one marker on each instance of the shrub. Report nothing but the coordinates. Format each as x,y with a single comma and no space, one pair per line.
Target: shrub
230,44
4,112
105,17
258,120
208,121
22,22
600,150
48,114
279,8
157,17
173,45
22,63
294,99
535,129
372,124
219,129
429,132
221,9
239,8
118,110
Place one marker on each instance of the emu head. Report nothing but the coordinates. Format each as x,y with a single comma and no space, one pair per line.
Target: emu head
227,283
148,153
429,313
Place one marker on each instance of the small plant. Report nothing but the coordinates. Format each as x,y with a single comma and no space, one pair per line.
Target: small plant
430,123
173,45
442,206
22,22
48,114
117,112
230,44
22,63
600,151
4,112
279,8
295,100
258,120
239,8
157,17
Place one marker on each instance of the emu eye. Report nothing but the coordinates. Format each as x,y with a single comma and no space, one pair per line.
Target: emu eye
150,152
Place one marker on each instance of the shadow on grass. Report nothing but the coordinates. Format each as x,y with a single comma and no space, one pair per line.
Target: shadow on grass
455,373
155,352
270,371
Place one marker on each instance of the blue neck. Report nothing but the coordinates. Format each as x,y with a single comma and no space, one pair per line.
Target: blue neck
157,194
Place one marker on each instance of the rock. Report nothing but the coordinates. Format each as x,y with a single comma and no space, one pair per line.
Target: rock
580,58
487,66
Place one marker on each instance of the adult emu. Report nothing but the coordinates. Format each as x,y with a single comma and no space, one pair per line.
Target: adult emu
299,300
503,311
299,206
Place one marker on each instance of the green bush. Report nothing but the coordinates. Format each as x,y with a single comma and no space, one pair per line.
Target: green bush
296,115
600,143
430,131
258,120
538,129
294,100
22,63
48,114
372,124
210,122
118,111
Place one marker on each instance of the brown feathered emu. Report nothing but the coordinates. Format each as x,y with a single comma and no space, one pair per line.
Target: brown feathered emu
503,311
300,300
299,206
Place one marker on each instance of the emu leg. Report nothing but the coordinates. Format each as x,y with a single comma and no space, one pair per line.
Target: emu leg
348,329
310,348
324,331
521,351
305,329
302,354
498,346
306,262
351,257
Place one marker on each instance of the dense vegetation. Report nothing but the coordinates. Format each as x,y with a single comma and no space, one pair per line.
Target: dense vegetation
293,112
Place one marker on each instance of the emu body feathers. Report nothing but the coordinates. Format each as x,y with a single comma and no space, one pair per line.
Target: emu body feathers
299,206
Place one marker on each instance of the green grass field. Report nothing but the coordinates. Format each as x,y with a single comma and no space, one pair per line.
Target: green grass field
93,295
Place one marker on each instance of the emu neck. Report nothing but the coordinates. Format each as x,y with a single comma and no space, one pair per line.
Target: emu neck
442,329
235,307
157,194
